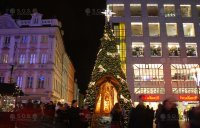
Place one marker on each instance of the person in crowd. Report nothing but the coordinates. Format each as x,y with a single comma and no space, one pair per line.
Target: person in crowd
85,116
194,120
150,117
117,116
66,115
131,117
59,116
139,115
158,111
169,117
74,115
49,111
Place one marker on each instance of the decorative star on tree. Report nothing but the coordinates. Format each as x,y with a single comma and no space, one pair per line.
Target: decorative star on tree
108,13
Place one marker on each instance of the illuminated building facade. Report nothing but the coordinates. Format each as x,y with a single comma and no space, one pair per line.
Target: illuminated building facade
159,46
42,68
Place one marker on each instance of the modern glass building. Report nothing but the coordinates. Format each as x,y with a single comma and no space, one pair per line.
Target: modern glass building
159,46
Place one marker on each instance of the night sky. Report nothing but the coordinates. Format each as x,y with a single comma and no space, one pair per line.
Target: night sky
82,23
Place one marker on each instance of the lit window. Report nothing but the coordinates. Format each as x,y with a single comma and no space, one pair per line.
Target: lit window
32,59
44,38
148,78
24,39
183,80
138,49
41,80
44,58
137,29
34,39
152,9
171,29
22,58
6,41
156,49
4,58
154,29
185,10
118,9
174,49
188,29
20,81
29,82
198,10
191,49
169,10
135,10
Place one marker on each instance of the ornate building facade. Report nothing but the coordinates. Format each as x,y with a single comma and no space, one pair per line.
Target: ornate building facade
42,68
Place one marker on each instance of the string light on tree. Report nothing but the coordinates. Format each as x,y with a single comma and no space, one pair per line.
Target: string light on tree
112,54
101,68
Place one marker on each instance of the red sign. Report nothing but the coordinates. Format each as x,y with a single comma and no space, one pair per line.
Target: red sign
151,97
188,98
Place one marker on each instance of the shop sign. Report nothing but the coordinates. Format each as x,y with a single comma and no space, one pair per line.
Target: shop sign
188,98
151,97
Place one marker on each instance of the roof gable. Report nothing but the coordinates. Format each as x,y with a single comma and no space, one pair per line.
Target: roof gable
7,22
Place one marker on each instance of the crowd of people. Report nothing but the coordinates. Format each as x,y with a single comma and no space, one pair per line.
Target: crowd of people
52,115
166,116
142,116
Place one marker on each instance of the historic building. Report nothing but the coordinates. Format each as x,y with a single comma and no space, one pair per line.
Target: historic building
35,48
159,47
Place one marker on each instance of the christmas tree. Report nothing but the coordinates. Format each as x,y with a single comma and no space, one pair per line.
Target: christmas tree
108,64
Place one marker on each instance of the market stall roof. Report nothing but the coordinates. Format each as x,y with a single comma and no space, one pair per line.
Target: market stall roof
10,89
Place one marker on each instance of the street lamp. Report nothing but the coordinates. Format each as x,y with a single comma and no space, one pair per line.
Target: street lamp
196,77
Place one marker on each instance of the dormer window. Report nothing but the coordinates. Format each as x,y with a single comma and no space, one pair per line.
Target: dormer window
35,21
6,41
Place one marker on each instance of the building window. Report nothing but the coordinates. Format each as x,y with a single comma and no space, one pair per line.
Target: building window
34,39
35,21
156,49
119,31
2,79
117,8
174,49
29,82
169,10
24,39
188,29
198,10
43,59
148,79
4,58
171,29
185,10
152,9
183,78
22,58
154,29
138,49
6,41
191,49
41,80
44,38
135,9
20,81
137,29
32,59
